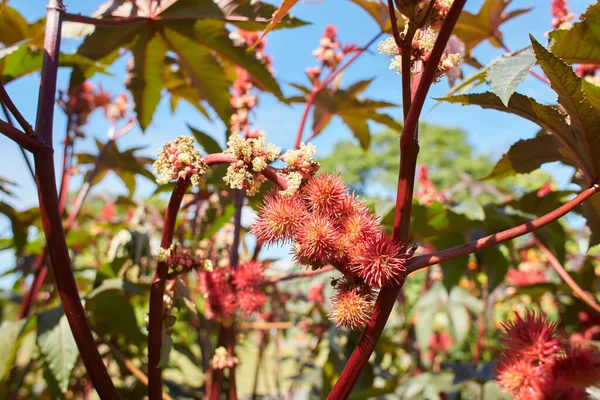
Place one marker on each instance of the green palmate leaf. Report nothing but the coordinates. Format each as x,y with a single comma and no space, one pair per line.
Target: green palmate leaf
144,80
281,12
21,59
14,28
545,116
125,164
460,320
108,303
209,144
204,72
581,42
10,331
20,223
528,155
507,72
196,33
354,111
57,345
473,29
592,94
584,120
378,10
591,212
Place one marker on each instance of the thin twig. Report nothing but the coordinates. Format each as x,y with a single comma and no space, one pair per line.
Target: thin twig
25,141
560,270
437,257
15,111
27,162
303,274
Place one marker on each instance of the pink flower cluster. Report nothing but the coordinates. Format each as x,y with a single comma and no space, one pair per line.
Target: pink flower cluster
426,192
226,290
560,13
243,100
538,362
329,53
328,225
84,99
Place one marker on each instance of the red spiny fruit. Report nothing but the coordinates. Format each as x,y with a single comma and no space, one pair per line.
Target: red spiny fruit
351,306
533,337
516,374
549,388
579,365
381,263
251,301
316,239
220,303
325,194
357,228
249,275
278,218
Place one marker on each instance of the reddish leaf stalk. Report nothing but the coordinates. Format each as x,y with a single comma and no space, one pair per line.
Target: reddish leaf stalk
25,141
560,270
7,101
322,85
27,162
303,274
50,214
409,150
437,257
157,290
39,276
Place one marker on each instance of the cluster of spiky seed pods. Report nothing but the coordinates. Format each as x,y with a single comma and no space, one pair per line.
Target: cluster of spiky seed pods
538,362
329,225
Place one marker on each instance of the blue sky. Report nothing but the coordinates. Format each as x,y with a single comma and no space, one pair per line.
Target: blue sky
488,131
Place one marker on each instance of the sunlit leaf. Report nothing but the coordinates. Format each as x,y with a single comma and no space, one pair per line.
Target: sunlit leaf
57,345
581,42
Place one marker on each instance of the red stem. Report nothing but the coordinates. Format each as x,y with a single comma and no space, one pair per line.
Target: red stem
437,257
409,150
39,276
157,290
560,270
303,274
50,214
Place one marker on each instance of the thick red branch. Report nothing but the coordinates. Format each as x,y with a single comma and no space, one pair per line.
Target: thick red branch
157,290
50,214
437,257
409,151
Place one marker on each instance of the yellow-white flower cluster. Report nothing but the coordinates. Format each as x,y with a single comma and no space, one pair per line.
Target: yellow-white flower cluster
302,165
252,155
180,159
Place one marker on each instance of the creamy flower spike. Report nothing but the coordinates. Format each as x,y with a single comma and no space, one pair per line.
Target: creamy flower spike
302,166
180,159
252,155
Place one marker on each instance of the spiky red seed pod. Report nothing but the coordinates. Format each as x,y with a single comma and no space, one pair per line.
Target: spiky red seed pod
251,301
357,229
515,374
278,218
381,263
249,275
533,337
351,307
579,365
547,387
316,239
220,303
325,194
